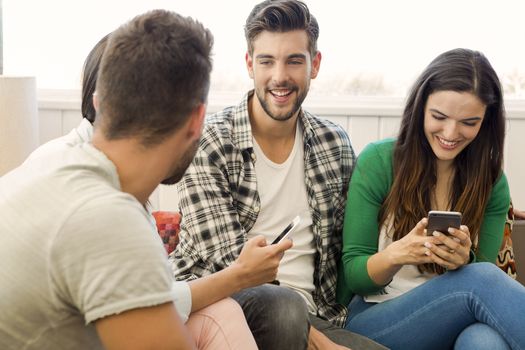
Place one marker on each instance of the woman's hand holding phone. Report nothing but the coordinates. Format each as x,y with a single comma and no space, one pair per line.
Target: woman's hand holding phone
424,244
450,250
410,250
451,245
417,247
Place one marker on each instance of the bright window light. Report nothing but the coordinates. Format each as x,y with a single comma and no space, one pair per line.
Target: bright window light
373,47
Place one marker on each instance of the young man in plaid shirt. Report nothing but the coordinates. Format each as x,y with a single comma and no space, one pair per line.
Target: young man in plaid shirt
260,164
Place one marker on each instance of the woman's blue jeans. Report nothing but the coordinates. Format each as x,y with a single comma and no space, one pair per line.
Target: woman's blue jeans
478,305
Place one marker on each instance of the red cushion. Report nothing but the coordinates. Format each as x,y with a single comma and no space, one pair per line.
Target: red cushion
168,226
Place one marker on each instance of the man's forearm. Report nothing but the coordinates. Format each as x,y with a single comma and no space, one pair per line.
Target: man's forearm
257,263
212,288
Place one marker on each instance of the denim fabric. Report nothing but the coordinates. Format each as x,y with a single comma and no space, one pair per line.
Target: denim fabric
433,315
344,337
277,317
480,336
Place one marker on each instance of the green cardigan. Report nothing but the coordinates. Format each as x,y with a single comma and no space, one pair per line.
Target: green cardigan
370,184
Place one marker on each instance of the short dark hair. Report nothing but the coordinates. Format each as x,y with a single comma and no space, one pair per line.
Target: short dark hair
154,72
89,78
281,16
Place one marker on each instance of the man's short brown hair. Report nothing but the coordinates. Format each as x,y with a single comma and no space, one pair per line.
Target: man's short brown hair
154,72
281,16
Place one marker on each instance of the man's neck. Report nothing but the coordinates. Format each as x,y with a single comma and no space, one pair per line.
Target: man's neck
276,138
136,167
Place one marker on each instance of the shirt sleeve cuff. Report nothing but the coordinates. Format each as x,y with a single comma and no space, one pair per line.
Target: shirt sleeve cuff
182,299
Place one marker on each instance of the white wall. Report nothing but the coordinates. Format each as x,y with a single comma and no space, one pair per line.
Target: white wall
366,119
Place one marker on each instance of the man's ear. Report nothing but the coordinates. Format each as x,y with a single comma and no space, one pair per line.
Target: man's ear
249,64
95,101
316,65
196,121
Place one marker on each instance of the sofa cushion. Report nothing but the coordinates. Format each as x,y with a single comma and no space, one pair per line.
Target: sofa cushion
168,226
506,260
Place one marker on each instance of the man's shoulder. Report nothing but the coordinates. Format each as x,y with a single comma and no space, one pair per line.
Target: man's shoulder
219,125
63,169
104,220
325,128
224,116
91,188
88,195
330,145
329,137
228,129
82,133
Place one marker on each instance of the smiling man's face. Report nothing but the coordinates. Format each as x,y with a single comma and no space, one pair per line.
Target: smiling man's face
281,67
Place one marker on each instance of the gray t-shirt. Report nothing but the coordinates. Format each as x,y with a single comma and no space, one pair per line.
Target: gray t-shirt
74,249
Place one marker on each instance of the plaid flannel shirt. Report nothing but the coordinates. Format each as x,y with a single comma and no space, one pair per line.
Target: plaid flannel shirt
219,201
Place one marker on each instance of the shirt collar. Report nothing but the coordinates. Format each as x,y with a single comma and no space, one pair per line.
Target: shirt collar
242,129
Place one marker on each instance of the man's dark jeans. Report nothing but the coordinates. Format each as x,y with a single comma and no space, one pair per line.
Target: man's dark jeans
278,318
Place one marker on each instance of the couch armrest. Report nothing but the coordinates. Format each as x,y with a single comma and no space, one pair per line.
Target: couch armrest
518,242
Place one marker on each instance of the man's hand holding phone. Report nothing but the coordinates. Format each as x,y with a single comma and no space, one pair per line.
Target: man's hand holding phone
258,261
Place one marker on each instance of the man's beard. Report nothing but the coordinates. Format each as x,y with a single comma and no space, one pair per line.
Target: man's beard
182,165
283,117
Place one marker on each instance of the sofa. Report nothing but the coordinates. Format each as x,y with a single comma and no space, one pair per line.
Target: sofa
518,243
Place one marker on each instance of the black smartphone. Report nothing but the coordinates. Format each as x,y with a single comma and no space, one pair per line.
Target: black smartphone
289,229
442,220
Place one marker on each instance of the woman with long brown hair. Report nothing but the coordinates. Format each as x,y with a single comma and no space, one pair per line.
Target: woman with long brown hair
412,289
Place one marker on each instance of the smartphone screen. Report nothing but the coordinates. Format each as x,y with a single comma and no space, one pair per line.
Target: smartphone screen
289,229
442,220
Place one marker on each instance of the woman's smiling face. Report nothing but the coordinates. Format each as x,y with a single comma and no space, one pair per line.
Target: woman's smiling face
452,120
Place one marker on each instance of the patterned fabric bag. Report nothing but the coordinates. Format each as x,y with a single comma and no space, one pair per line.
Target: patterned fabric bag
506,260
